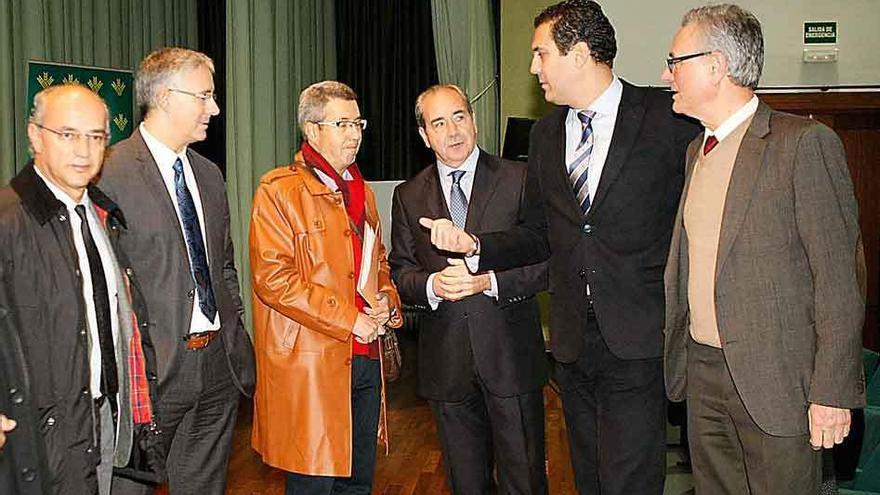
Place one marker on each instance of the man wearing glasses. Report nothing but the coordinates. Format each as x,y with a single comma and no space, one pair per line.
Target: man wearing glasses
72,314
605,173
763,299
322,295
178,239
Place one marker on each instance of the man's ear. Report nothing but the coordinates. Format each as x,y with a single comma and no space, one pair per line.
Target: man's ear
35,137
424,137
581,53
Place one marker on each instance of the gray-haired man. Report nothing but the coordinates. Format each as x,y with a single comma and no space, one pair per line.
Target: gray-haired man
763,304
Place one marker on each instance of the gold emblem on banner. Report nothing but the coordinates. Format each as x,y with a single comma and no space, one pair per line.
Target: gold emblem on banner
70,79
95,84
120,121
45,80
118,86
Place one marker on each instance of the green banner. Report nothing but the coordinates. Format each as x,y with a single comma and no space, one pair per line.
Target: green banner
114,86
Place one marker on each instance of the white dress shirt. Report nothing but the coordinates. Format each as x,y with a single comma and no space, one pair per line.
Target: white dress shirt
165,158
732,122
99,235
605,108
469,167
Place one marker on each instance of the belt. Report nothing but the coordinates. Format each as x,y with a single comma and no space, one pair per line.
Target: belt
196,341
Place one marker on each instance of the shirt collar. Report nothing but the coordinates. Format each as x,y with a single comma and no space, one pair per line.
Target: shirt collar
734,121
63,196
468,166
606,104
163,155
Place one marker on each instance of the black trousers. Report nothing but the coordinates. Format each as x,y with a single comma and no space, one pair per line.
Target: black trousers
730,454
366,389
483,431
196,409
615,414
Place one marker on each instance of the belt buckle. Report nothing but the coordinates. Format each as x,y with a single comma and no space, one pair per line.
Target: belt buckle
197,341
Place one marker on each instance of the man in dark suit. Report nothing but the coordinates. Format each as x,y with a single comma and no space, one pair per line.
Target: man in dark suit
178,239
763,305
605,173
481,351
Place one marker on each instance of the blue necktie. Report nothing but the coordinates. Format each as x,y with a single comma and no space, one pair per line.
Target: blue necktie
195,245
579,168
458,204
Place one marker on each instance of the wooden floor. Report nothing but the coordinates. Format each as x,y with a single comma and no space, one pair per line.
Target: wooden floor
414,465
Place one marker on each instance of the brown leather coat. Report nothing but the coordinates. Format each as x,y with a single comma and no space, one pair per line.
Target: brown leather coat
304,310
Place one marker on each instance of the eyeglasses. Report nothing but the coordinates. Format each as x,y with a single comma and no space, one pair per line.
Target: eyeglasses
345,124
207,95
671,62
71,137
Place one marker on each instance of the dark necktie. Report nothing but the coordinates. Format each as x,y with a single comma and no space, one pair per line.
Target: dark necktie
109,380
195,245
709,145
458,204
579,168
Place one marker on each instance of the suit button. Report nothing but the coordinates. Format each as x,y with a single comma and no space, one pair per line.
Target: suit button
582,273
587,228
151,377
82,332
28,474
129,272
84,391
191,293
347,233
50,421
78,274
62,217
89,450
348,361
350,274
16,396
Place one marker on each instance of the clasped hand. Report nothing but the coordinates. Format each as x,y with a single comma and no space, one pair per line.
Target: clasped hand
455,282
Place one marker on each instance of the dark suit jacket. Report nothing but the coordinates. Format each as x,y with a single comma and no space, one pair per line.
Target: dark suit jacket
620,247
156,246
501,339
788,303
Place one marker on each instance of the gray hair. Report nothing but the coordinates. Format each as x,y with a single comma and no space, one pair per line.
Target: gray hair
420,112
735,33
160,67
314,98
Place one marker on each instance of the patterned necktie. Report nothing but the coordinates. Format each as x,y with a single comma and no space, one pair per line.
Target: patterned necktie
195,245
709,145
101,298
458,203
579,168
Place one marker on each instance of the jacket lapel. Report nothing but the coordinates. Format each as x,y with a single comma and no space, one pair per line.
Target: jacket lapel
746,170
554,168
432,193
485,180
156,185
630,114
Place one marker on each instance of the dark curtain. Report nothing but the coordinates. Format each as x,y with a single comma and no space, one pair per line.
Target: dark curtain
385,52
212,42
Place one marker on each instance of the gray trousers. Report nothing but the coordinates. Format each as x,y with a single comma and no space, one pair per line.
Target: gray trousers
108,446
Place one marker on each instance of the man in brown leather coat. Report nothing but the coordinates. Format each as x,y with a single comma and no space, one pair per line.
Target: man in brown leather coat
322,293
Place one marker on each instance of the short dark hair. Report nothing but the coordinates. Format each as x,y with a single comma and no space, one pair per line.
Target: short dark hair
574,21
420,111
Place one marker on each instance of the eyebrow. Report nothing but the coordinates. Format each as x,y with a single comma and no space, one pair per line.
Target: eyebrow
438,119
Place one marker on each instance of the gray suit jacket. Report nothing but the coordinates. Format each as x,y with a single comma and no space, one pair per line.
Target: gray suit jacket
788,303
158,252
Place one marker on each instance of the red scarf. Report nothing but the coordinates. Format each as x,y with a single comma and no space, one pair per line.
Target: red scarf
354,198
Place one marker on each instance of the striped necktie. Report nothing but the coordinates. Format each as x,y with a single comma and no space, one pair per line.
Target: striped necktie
458,204
579,168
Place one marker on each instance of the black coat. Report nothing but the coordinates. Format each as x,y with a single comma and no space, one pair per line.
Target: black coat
23,459
620,247
500,339
42,277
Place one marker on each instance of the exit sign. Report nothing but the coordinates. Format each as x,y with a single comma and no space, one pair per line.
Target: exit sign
820,32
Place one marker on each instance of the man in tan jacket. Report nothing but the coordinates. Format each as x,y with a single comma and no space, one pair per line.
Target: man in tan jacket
763,307
322,294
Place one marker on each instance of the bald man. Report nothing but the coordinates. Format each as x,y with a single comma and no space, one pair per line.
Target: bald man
75,307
